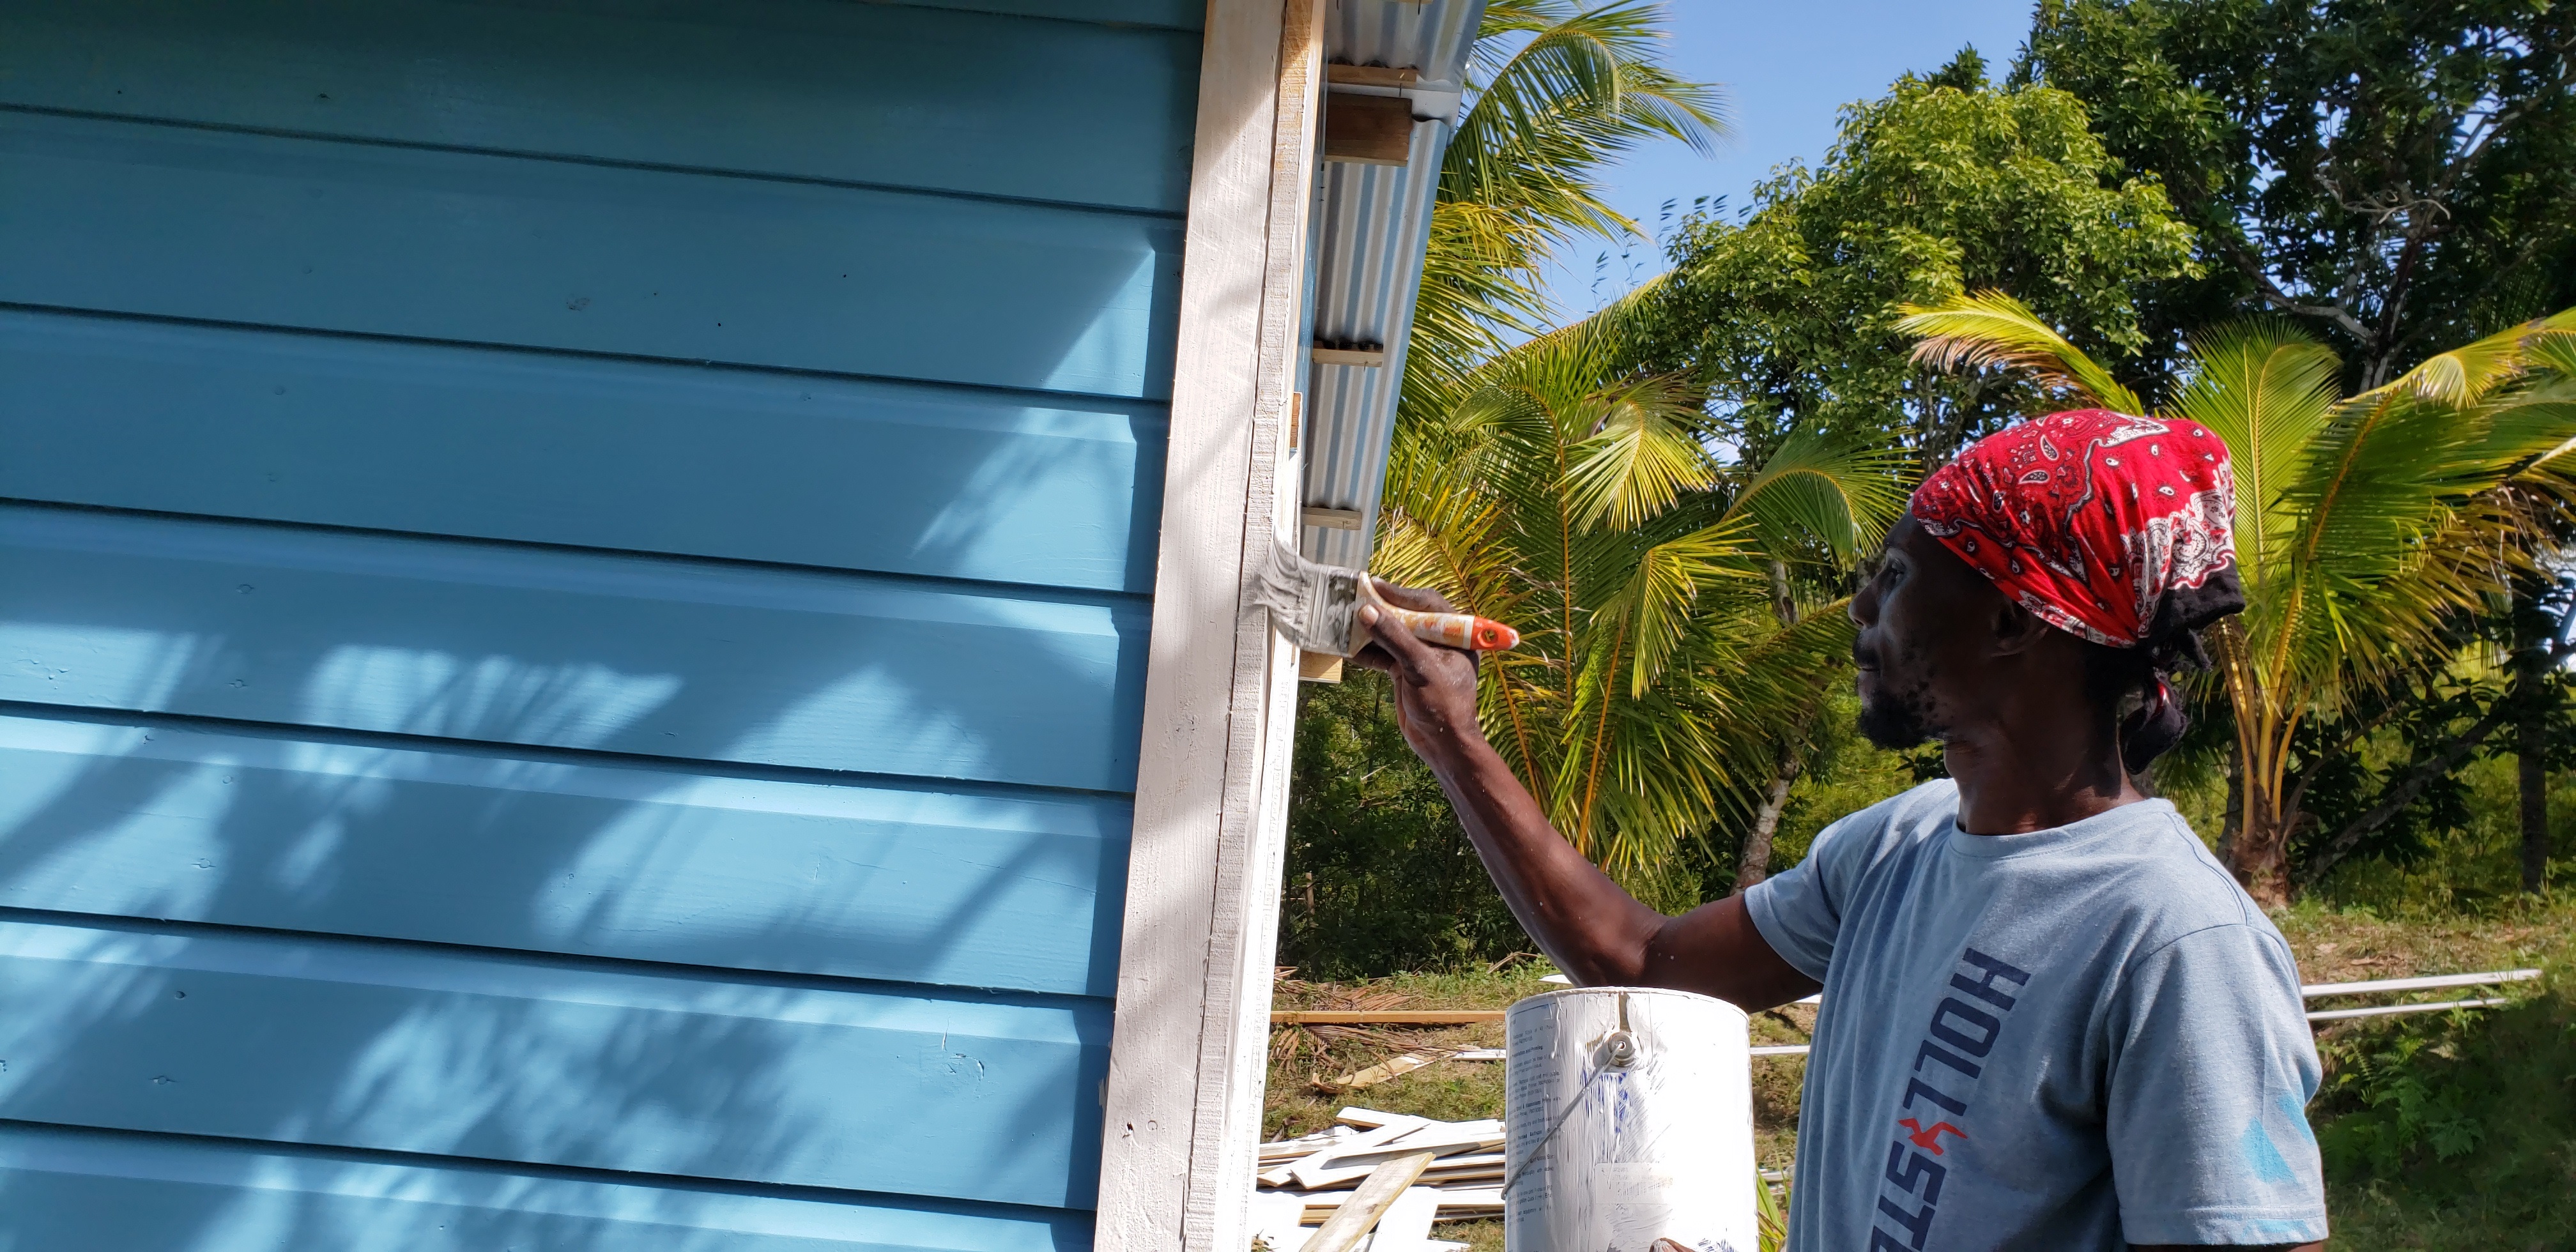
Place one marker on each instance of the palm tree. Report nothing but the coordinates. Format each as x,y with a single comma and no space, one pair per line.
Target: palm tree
2366,525
1557,91
1589,504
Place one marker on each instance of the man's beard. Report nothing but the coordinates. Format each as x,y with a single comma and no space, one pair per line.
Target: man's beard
1897,720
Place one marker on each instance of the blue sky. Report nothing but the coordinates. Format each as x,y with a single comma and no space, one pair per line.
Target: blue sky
1785,68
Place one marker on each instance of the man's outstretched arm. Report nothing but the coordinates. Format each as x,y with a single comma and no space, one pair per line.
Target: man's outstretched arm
1594,931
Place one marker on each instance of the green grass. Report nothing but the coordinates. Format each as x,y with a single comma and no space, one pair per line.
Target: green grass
2442,1131
2455,1131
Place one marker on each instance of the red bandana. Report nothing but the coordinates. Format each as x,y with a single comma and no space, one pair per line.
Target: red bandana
2091,519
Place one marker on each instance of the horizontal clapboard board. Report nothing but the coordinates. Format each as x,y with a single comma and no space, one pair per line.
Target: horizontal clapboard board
419,1050
879,94
130,217
563,649
643,456
67,1190
997,889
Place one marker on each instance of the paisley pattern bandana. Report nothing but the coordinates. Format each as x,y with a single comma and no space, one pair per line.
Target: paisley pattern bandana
2117,528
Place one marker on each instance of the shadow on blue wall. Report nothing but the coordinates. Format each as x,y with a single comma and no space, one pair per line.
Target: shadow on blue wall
483,796
773,818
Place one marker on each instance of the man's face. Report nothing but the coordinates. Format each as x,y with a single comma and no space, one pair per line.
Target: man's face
1921,614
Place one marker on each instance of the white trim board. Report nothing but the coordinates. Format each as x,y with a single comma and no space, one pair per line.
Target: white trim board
1182,1105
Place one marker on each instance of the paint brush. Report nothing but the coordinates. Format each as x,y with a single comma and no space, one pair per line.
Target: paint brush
1317,606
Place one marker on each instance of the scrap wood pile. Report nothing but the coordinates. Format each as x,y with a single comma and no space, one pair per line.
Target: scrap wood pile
1377,1181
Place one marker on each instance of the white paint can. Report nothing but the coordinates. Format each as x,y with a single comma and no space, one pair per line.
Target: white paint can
1631,1121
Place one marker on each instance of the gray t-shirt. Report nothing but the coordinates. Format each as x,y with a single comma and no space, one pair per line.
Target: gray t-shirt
2063,1040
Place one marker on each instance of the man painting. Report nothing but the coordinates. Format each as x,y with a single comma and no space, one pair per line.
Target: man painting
2051,1020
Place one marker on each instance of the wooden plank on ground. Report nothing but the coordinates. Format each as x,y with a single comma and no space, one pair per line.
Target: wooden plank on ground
1406,1224
1351,1220
1370,1076
1296,1170
1343,1165
1456,1203
1278,1219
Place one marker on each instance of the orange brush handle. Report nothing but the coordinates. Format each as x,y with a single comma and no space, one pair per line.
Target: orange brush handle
1457,630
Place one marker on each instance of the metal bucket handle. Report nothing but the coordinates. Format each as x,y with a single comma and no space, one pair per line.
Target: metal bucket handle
1617,1050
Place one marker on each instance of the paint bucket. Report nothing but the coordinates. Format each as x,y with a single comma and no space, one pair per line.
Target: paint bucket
1630,1114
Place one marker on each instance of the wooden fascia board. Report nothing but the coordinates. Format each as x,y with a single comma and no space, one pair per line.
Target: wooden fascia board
1366,358
1182,1106
1368,129
1374,75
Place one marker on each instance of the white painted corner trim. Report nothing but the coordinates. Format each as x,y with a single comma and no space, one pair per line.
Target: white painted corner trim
1182,1107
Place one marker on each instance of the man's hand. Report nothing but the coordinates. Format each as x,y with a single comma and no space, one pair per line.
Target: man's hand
1435,687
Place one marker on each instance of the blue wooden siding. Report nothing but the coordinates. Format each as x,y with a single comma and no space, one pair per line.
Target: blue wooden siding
928,883
103,1190
747,464
547,648
573,589
316,234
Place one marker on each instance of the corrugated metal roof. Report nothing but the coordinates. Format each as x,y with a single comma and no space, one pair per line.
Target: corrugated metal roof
1372,223
1431,39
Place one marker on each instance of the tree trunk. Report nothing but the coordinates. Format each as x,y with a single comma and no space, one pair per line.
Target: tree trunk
2234,818
2532,748
2257,848
2262,853
1755,864
2534,656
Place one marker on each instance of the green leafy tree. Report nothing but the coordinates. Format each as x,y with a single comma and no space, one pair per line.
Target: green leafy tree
1787,316
1945,185
2393,176
2368,526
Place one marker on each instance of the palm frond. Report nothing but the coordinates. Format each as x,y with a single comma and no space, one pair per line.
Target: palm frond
2267,389
1835,489
1665,591
2465,375
1644,452
2385,480
1582,88
2531,430
1990,328
2554,351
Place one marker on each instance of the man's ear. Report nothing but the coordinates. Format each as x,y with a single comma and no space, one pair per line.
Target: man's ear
2018,630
